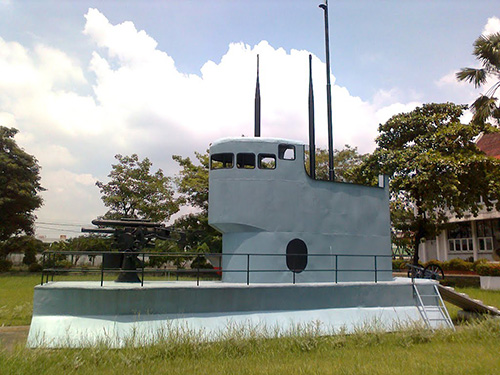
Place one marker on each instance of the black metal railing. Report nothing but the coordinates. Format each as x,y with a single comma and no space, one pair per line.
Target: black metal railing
50,268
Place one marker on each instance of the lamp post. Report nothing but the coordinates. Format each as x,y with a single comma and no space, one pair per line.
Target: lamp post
331,172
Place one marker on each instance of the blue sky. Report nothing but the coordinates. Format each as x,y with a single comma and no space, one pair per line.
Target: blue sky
375,44
85,80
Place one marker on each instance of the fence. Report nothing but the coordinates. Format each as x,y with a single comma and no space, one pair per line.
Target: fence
49,260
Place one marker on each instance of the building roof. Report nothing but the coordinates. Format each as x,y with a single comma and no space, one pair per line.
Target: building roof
490,144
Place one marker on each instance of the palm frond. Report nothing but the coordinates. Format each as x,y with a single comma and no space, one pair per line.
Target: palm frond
476,76
483,108
487,50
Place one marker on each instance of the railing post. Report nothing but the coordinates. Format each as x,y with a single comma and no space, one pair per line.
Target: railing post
43,266
375,260
248,269
47,274
336,267
102,268
198,275
142,280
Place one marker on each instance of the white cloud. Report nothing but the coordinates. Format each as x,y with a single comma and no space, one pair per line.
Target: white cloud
462,91
141,103
451,79
492,26
50,155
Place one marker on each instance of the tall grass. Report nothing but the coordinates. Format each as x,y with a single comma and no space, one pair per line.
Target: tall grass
470,350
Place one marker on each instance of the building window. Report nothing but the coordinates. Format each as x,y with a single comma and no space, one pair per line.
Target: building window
286,152
222,161
245,160
488,232
267,161
460,238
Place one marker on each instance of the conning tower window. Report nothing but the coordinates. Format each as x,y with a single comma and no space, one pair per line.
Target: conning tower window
222,161
286,152
267,161
245,160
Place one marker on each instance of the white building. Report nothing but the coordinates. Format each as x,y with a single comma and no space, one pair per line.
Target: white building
472,237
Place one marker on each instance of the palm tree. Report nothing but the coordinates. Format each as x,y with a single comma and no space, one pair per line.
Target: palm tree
487,51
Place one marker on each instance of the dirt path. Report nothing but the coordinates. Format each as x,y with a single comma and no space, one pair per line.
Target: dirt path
10,337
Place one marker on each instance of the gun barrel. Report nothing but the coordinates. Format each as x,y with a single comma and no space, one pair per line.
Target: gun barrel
131,223
98,230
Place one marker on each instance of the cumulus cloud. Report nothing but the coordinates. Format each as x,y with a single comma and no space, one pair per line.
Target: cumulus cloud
69,197
492,26
141,103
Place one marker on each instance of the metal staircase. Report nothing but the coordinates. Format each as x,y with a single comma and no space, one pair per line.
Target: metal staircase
433,312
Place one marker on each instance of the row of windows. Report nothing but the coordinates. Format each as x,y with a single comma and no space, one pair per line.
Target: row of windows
460,235
465,244
246,160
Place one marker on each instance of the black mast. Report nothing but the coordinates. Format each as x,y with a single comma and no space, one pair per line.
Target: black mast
331,172
312,145
257,103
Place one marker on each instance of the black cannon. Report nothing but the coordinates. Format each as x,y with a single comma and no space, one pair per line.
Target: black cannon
131,236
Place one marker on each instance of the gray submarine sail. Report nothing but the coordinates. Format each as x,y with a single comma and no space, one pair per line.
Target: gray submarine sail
263,202
279,225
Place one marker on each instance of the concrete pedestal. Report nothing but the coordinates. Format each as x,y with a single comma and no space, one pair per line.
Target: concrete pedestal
75,314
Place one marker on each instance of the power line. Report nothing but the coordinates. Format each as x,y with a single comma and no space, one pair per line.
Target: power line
58,229
59,224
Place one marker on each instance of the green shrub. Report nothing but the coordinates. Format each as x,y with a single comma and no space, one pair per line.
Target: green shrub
488,269
63,264
35,267
478,262
457,264
5,265
399,264
434,262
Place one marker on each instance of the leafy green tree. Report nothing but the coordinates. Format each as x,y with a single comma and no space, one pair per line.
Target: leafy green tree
27,245
345,161
435,168
487,51
192,184
192,180
88,243
135,192
19,187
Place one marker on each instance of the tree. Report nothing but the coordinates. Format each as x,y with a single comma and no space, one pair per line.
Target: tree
87,244
135,192
487,51
28,245
192,184
19,187
435,168
345,161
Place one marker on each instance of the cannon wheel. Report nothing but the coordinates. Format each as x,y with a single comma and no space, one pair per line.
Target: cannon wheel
433,271
416,272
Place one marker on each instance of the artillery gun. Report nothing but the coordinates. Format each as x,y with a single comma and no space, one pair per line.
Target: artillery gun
131,236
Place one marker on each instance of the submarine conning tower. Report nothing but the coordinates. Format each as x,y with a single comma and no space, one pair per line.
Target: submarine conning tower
279,225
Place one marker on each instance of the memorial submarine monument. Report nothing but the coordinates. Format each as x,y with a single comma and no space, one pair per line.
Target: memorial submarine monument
296,252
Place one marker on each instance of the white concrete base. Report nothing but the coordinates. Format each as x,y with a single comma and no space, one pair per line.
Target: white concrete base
490,282
70,331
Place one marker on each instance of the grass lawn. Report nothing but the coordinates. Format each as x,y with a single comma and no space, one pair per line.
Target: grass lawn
16,299
470,350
